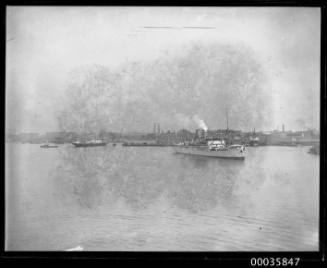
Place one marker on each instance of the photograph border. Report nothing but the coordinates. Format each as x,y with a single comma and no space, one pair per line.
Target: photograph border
216,257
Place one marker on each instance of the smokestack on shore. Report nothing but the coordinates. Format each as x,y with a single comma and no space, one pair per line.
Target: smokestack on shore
154,128
158,128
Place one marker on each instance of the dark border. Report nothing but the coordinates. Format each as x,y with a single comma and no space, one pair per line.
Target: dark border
216,257
253,3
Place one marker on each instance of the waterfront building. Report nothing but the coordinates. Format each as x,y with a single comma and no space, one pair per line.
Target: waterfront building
200,133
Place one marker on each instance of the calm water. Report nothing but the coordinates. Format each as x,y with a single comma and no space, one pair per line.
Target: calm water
130,198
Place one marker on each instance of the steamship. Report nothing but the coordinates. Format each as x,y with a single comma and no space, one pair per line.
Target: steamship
216,148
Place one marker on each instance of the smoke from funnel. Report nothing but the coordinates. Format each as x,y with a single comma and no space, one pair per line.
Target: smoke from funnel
200,123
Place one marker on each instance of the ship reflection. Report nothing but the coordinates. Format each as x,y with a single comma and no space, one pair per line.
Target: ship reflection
102,176
204,162
197,161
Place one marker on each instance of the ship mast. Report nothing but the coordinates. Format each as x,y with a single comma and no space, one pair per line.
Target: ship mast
227,118
227,129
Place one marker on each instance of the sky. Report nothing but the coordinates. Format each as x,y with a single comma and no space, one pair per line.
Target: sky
44,44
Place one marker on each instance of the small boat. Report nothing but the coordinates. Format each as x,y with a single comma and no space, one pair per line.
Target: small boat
314,149
216,148
90,143
47,145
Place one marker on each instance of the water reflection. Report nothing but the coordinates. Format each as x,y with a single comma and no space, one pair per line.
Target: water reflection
119,198
139,176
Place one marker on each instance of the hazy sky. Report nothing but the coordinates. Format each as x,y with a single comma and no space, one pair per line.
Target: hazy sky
45,43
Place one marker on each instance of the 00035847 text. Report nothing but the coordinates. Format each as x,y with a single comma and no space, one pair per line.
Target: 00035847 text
274,261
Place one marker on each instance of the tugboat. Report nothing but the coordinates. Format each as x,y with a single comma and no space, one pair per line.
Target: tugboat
215,148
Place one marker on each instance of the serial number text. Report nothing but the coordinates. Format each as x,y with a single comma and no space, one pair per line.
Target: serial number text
274,261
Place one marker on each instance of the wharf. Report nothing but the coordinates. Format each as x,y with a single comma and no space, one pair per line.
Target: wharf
143,144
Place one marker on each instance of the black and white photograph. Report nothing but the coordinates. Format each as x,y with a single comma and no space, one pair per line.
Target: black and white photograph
162,128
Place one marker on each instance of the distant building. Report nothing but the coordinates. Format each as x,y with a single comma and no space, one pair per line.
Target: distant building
279,138
169,137
212,134
200,133
184,135
61,137
308,137
29,137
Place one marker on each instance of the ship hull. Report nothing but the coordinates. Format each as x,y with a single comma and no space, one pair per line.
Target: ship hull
227,154
89,144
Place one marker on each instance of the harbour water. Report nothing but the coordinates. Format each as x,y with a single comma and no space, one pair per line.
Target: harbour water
148,198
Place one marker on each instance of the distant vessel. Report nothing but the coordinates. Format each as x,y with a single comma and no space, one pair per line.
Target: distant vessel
85,142
93,142
47,145
215,148
90,143
314,149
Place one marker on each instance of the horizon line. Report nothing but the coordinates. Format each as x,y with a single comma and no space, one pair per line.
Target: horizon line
165,131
